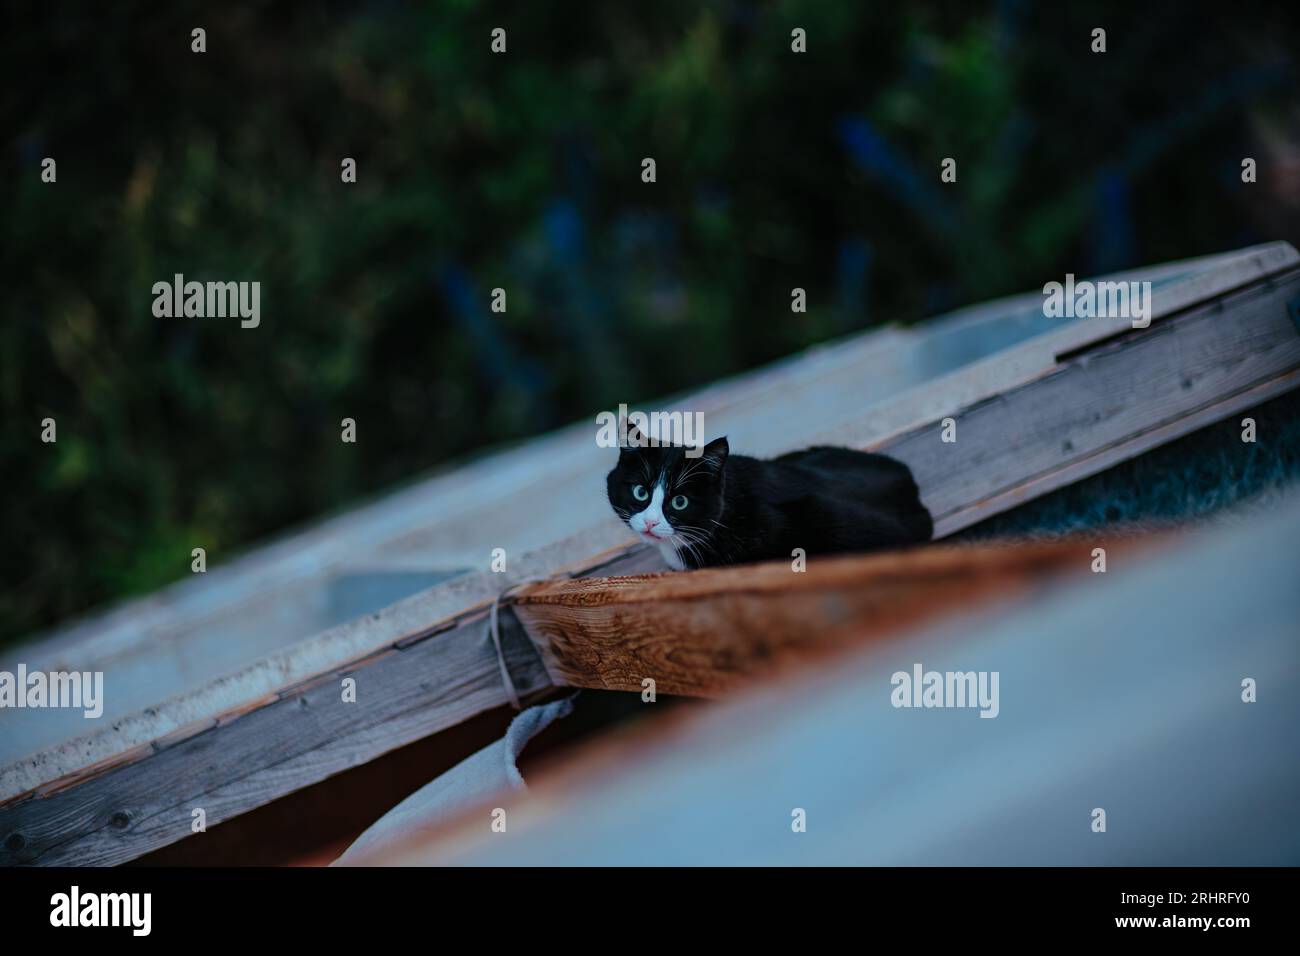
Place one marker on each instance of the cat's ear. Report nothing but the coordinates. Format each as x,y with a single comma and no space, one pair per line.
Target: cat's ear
715,454
632,437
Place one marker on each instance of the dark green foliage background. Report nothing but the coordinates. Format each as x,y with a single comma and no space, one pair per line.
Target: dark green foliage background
522,171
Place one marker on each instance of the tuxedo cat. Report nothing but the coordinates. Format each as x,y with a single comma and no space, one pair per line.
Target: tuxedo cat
720,508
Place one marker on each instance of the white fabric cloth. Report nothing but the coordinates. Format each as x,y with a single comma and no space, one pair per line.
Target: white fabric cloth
493,770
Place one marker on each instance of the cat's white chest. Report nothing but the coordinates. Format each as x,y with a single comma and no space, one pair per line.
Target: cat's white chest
670,557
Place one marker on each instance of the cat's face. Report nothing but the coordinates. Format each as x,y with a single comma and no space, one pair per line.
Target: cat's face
666,497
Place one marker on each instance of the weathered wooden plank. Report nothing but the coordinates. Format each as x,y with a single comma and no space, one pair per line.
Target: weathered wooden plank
709,632
883,423
142,799
438,608
308,733
1116,453
1079,418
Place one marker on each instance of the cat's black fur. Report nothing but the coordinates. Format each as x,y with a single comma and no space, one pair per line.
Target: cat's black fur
824,500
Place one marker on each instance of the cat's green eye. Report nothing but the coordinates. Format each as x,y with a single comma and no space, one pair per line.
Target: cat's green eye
639,493
679,502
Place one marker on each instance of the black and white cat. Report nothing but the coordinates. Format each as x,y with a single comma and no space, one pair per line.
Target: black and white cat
720,508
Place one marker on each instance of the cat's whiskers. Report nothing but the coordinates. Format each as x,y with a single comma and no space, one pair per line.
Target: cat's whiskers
693,538
726,554
679,541
691,468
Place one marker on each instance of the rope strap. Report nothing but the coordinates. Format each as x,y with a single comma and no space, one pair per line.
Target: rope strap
494,628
